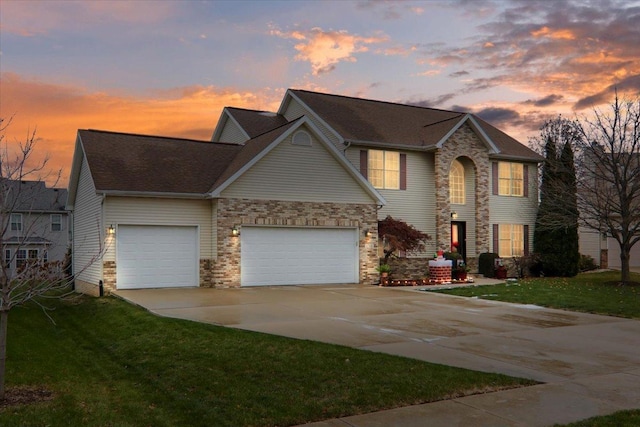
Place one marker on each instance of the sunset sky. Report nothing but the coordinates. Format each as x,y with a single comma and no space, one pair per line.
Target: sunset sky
169,67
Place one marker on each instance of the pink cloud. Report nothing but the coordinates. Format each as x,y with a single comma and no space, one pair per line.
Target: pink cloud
324,49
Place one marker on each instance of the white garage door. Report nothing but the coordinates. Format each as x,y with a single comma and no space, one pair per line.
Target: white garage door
150,256
298,256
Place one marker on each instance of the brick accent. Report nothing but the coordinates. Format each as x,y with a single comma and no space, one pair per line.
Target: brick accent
440,274
409,268
463,143
239,212
109,276
206,272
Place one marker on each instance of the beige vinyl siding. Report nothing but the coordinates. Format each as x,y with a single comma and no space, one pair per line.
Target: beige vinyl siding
417,204
614,254
88,229
232,133
590,243
298,173
467,212
295,110
135,211
515,210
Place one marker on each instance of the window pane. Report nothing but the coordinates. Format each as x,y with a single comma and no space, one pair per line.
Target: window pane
391,180
517,234
56,222
456,183
384,169
376,178
391,161
16,222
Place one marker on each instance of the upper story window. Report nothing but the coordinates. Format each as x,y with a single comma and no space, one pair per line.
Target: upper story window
456,183
510,179
384,169
16,222
56,222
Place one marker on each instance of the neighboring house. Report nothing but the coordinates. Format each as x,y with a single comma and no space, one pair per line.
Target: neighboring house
293,197
35,223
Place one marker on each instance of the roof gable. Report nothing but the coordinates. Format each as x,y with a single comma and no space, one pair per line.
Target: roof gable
251,123
380,123
256,149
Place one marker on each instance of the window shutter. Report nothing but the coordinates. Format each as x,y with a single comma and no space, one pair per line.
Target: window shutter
526,239
364,163
525,180
494,175
403,171
496,239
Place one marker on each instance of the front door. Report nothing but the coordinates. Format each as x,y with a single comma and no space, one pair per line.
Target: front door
459,238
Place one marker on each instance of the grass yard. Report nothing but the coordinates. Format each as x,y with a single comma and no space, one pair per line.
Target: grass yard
619,419
589,292
112,364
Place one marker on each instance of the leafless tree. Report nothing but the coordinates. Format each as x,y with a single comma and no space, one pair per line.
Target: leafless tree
29,278
609,175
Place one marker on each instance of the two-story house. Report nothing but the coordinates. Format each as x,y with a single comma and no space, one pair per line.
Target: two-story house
294,196
35,224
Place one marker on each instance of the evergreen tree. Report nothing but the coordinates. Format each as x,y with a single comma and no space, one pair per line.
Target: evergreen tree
556,232
570,241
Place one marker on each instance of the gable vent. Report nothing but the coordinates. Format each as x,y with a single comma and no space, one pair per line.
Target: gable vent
301,138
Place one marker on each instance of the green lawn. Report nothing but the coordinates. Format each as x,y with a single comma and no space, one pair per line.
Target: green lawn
588,292
112,364
619,419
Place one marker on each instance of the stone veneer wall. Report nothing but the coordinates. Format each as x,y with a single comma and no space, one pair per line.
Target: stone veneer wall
239,212
463,143
109,276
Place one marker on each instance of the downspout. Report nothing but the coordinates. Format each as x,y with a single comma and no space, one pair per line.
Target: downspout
346,144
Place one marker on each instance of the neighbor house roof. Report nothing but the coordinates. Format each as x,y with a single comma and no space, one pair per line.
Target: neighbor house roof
121,162
32,196
365,121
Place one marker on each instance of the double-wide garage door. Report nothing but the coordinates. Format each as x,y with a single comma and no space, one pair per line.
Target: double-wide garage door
298,256
149,256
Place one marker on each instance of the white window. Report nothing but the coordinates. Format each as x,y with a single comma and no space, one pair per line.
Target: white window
510,179
16,222
456,183
384,169
56,222
21,257
511,240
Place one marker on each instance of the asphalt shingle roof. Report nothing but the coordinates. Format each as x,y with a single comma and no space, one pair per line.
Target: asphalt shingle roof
256,122
142,163
379,122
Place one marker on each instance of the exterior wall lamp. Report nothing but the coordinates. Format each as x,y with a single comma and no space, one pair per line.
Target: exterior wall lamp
454,215
235,232
111,230
367,232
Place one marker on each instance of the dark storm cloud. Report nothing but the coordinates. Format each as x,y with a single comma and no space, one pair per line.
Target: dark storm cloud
544,102
459,74
431,102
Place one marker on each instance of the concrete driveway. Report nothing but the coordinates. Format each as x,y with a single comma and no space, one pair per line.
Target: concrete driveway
590,363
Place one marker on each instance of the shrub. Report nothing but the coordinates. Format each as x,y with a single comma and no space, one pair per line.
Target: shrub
486,264
587,263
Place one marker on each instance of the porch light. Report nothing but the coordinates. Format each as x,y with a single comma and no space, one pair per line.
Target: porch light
454,215
111,230
367,232
235,232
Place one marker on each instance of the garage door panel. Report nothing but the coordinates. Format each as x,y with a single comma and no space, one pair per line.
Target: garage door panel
156,256
287,256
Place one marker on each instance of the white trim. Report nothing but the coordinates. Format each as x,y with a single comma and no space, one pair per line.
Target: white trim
468,117
221,124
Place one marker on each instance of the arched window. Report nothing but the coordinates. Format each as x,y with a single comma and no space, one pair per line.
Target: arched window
301,138
456,183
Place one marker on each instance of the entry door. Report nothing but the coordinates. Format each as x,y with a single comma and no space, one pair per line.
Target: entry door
459,237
